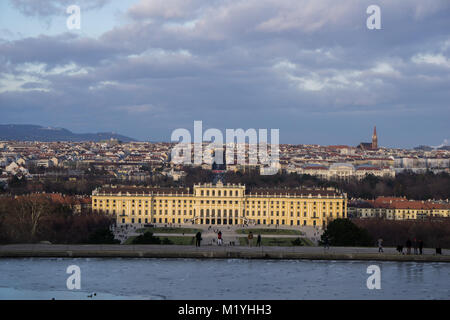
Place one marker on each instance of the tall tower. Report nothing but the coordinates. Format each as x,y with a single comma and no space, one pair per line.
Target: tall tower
374,139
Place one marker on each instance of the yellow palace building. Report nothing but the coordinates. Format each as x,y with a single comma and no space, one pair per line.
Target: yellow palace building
220,204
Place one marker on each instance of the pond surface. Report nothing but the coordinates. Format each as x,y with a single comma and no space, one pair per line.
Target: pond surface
117,278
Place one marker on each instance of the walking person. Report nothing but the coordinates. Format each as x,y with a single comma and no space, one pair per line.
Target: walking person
415,246
198,239
380,245
250,239
420,246
258,240
219,238
408,246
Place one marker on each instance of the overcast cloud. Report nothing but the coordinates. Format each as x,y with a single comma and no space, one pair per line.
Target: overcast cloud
308,67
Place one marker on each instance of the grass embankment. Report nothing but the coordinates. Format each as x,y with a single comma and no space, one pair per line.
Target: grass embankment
177,240
270,231
280,242
169,230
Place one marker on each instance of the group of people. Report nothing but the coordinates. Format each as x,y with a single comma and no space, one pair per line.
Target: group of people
250,240
198,239
123,232
416,245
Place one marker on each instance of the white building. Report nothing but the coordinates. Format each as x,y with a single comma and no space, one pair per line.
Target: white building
344,171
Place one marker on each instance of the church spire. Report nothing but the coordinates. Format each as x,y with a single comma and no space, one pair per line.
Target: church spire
374,138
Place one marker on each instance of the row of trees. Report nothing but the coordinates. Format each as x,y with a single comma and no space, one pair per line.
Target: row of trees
419,186
435,233
36,217
22,186
76,185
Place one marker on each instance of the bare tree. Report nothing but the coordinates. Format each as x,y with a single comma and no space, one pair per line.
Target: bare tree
32,209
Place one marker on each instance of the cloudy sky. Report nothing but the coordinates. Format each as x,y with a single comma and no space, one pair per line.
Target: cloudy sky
310,68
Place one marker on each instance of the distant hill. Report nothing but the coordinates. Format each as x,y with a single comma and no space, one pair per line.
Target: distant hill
28,132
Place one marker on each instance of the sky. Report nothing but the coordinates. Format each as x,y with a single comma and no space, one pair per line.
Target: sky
310,68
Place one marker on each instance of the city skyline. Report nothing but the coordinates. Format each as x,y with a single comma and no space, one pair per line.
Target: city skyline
143,68
115,133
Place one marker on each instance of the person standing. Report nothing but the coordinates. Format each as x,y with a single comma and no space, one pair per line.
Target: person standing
408,246
326,242
250,239
258,240
198,239
415,245
420,246
219,238
380,245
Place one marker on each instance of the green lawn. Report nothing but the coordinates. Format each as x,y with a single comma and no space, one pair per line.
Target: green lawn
169,230
179,240
129,240
270,231
272,241
281,242
307,242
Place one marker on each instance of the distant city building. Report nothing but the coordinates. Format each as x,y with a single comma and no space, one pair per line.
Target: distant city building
148,161
394,208
220,204
344,171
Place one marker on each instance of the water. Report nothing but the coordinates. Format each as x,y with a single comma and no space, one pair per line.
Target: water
115,278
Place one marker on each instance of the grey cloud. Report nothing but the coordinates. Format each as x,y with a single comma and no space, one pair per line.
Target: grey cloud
167,9
47,8
165,69
57,50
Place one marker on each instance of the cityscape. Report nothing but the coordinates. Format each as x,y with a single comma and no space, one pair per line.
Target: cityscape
317,167
131,160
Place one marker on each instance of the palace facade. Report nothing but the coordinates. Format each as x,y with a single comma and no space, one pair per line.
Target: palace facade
220,204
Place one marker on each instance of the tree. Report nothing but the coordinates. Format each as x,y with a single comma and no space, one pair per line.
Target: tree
297,242
343,232
32,209
166,241
146,238
102,236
